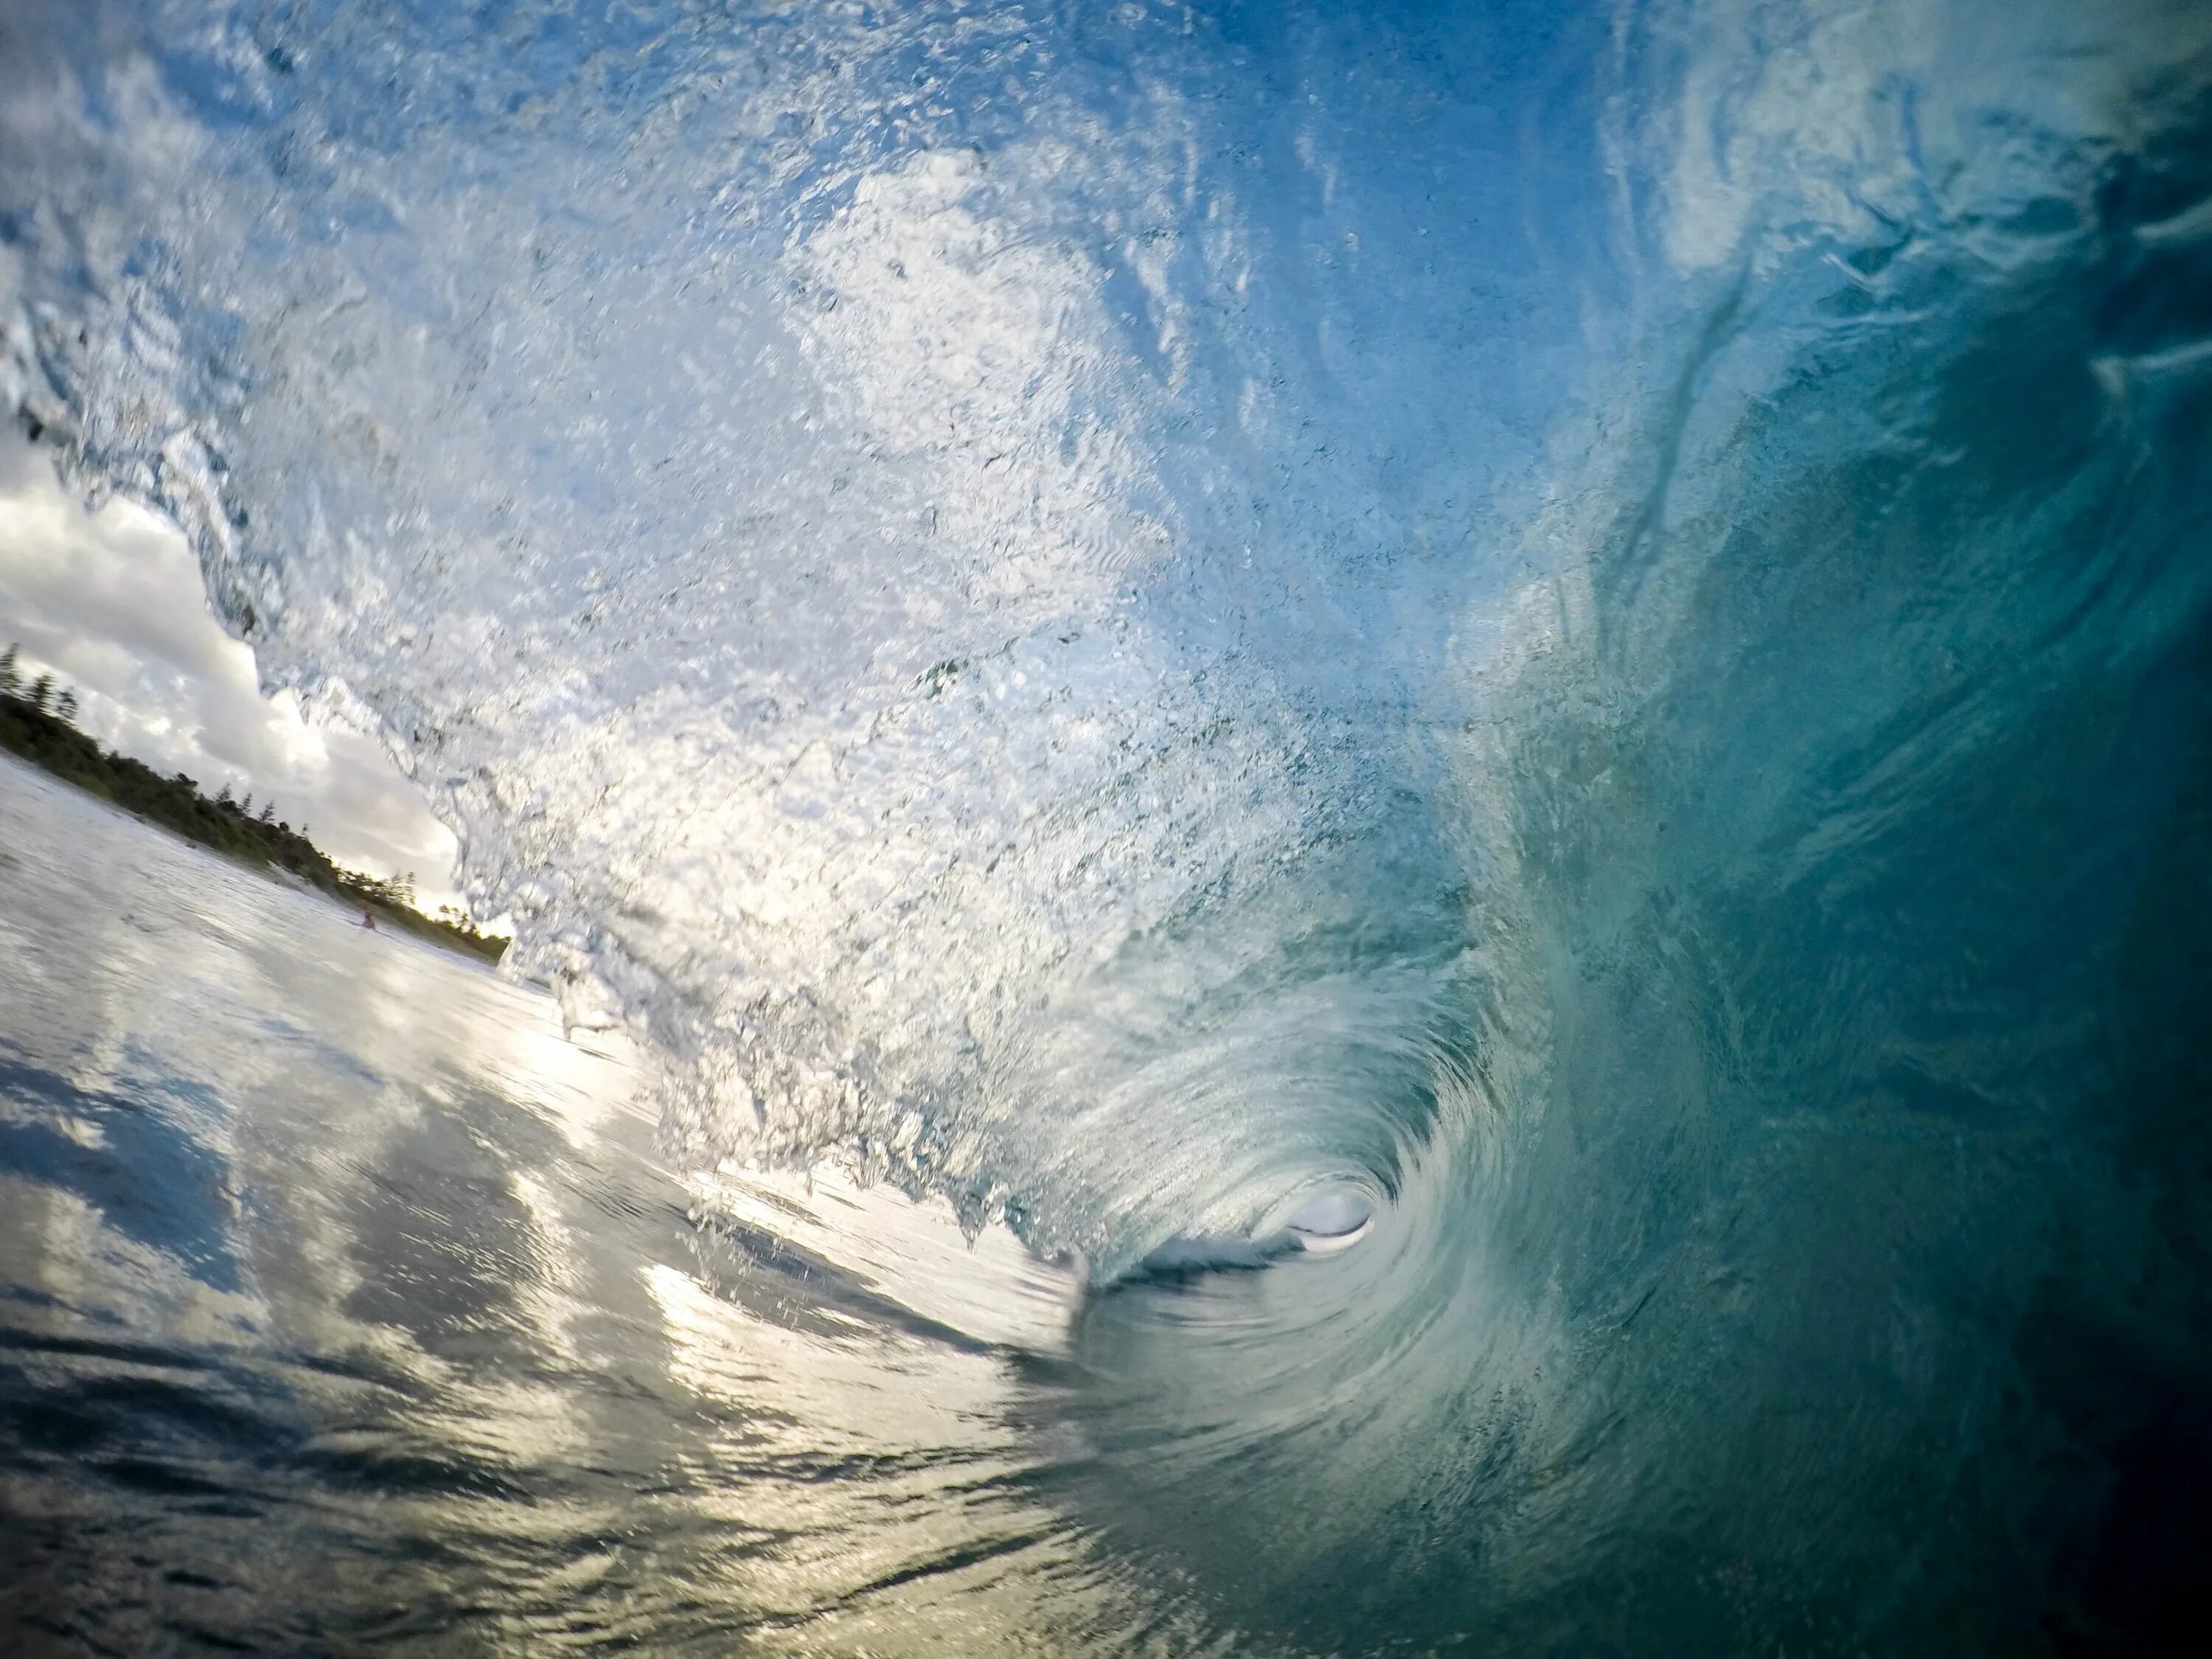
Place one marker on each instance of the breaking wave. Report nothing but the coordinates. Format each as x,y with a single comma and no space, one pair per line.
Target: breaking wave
1588,624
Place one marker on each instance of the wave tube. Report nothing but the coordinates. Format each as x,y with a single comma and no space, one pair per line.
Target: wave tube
1587,625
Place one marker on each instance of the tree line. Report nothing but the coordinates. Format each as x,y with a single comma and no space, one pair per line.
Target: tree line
37,721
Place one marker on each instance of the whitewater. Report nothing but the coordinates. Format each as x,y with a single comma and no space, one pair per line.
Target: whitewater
1487,729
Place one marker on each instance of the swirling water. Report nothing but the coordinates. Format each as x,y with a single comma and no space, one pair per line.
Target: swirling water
1589,623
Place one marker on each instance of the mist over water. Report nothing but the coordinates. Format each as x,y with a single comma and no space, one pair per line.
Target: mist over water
1588,624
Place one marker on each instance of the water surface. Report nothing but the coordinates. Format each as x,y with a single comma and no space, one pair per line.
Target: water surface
344,1305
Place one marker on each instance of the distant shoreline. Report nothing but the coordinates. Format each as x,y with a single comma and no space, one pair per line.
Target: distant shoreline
37,726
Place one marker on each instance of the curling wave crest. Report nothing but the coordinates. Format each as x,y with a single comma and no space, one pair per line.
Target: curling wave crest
1588,623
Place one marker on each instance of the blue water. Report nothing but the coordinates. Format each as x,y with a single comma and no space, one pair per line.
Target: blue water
1582,628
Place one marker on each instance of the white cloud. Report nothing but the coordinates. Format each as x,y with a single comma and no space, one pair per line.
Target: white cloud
110,602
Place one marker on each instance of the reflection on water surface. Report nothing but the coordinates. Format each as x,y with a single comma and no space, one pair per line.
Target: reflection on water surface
343,1302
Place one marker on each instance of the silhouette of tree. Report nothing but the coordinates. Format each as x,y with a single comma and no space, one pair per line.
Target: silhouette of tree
33,726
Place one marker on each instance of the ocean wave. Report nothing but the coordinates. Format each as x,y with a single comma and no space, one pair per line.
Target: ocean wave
1591,625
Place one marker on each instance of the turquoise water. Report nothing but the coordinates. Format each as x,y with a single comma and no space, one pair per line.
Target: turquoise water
1579,629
